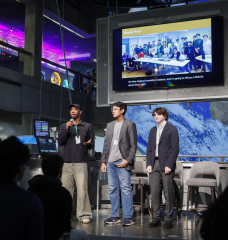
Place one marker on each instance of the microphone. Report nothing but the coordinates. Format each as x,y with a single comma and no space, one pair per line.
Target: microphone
68,129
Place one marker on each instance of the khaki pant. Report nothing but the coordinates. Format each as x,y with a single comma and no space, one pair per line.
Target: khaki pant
78,172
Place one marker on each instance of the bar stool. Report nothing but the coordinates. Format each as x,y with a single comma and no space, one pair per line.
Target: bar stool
202,168
140,168
178,182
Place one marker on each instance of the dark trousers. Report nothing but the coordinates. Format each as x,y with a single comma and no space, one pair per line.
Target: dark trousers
198,63
157,179
192,62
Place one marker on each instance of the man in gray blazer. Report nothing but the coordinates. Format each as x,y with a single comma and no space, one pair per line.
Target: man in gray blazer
120,146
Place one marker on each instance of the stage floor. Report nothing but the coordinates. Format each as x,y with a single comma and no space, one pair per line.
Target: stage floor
98,230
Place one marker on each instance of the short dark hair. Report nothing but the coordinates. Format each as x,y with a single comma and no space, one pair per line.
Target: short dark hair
194,36
159,40
177,39
121,105
175,48
161,111
13,154
51,164
185,38
190,42
197,34
205,36
182,38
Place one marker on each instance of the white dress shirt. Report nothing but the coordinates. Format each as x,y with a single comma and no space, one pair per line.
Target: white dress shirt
158,136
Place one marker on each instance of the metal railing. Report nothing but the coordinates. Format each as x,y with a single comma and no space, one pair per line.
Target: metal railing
196,156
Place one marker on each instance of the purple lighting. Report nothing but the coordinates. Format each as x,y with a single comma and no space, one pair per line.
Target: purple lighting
16,38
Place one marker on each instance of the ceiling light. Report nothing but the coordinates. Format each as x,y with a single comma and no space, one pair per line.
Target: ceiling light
63,26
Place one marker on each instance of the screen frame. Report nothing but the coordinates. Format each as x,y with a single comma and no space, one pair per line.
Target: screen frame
38,144
213,33
34,127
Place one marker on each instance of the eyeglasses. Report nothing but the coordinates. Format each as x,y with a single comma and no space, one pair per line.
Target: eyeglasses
115,109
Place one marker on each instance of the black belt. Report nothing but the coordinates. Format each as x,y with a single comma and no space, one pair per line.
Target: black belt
156,158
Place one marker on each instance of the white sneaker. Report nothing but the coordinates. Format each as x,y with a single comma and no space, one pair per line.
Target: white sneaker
86,220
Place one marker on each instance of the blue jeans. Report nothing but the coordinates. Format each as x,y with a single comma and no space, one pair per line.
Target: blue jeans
119,179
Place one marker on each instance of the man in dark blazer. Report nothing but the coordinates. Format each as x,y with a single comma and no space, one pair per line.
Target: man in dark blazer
162,152
120,146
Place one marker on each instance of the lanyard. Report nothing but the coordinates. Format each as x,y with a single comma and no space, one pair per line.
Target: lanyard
76,128
118,129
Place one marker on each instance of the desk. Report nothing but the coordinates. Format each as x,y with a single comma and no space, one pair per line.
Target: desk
208,59
156,61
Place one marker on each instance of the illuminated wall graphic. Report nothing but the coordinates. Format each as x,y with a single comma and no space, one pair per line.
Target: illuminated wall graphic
203,127
55,78
16,38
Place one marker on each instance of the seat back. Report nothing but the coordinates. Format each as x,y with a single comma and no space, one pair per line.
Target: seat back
205,168
179,171
140,168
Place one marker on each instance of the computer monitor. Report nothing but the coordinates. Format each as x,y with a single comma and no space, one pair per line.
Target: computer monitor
46,145
41,128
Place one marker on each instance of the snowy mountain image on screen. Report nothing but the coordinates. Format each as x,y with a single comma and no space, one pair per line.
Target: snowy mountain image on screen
202,127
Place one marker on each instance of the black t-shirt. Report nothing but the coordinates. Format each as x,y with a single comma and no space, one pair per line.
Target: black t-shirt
189,51
131,61
136,50
198,43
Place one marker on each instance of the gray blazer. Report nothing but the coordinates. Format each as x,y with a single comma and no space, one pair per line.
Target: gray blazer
127,142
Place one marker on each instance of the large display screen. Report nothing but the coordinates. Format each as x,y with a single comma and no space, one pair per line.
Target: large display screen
177,54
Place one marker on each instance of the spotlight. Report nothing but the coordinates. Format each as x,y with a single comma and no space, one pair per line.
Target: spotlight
95,60
156,69
11,29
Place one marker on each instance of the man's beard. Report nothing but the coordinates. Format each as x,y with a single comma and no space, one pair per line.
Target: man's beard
76,117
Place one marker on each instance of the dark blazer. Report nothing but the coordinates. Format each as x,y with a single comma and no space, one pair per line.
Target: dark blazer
178,55
127,142
168,148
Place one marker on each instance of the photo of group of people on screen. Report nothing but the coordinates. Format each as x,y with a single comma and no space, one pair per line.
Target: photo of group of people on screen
180,52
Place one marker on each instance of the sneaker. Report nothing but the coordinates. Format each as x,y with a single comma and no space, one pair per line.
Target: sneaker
86,220
128,222
155,223
168,224
112,220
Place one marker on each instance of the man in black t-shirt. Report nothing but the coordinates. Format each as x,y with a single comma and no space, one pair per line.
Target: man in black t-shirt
189,51
136,49
198,45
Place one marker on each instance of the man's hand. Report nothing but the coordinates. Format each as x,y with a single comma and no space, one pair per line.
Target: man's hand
87,143
69,124
123,164
149,169
167,170
103,168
